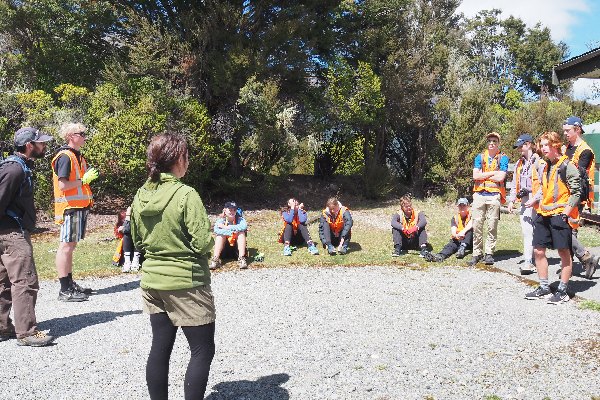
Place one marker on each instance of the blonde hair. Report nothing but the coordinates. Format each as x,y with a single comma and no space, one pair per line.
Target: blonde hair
405,200
68,129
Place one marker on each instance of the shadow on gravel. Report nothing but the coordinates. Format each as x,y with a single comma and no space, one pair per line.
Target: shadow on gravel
122,287
67,325
265,388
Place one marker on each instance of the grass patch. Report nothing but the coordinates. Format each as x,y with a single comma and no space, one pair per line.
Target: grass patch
590,305
370,244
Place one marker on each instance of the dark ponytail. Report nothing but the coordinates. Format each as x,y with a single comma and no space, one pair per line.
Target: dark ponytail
163,153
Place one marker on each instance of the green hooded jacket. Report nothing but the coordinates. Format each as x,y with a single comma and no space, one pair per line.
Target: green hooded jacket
170,226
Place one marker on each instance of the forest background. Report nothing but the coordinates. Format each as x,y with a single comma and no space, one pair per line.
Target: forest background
394,95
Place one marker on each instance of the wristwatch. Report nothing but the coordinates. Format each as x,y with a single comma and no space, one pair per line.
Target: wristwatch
565,218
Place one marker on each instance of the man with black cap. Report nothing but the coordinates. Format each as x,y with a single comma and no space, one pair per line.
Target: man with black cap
18,276
583,157
489,173
526,184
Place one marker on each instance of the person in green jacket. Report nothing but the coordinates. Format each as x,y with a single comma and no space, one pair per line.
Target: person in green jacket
170,226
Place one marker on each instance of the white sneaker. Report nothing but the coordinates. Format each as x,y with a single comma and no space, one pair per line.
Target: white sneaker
135,264
126,265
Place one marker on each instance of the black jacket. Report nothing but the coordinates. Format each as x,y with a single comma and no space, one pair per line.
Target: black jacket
16,194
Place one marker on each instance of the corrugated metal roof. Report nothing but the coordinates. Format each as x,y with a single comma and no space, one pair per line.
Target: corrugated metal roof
586,65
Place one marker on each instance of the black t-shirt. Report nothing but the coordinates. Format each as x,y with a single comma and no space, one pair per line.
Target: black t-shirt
62,165
585,158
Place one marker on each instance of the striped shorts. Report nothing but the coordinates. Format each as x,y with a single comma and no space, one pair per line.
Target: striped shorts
73,226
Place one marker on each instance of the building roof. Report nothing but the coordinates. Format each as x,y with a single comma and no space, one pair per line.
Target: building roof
586,65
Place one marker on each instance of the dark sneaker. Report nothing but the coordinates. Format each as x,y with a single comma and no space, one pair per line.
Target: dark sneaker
488,259
80,289
7,335
428,255
559,297
72,295
474,260
38,339
539,293
461,252
397,252
590,268
527,268
423,252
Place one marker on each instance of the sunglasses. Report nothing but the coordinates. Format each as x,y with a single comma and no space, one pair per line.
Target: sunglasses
82,134
492,141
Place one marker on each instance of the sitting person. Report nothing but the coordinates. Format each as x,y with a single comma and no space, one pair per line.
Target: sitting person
335,227
126,254
408,229
294,229
462,234
231,231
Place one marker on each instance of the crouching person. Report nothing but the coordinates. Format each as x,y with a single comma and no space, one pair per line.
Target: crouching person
408,229
231,231
295,231
335,227
461,227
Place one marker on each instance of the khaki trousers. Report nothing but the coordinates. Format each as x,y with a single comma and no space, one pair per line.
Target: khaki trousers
485,208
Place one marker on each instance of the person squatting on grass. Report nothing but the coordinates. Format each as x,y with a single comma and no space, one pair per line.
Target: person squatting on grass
557,216
489,173
231,230
335,227
526,183
18,276
125,251
461,227
295,231
170,226
583,157
408,229
72,202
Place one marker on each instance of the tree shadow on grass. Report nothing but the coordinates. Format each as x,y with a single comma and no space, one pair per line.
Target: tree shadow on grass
265,388
67,325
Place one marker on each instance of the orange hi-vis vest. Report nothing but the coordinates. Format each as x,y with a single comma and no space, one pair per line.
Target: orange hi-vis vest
535,179
295,224
414,218
556,194
79,197
590,170
487,185
234,234
338,224
459,222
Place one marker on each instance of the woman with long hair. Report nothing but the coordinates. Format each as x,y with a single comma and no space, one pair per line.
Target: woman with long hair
170,226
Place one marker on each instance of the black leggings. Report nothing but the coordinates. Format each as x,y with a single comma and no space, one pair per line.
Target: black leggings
202,345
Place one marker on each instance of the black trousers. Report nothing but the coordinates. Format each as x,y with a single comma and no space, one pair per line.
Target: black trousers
453,244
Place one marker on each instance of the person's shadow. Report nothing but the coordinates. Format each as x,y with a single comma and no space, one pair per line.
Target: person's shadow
265,388
67,325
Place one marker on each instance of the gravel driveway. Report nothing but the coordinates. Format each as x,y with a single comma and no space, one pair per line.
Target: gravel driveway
324,333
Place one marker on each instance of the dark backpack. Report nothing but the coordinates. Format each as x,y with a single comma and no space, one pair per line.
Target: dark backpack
584,180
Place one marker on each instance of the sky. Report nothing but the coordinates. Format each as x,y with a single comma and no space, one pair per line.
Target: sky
574,22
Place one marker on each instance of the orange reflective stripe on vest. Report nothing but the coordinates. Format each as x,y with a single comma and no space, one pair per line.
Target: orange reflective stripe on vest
488,185
79,197
590,169
556,194
295,224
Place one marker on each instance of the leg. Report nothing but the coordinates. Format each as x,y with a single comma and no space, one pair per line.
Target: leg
288,233
577,247
157,368
241,244
526,218
304,233
219,244
479,208
64,258
202,346
325,234
398,237
492,217
468,240
541,262
422,238
566,265
450,248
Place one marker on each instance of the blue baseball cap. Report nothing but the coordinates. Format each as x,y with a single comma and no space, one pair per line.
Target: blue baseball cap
522,140
575,121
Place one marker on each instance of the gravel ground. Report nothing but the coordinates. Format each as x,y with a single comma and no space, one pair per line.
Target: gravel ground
324,333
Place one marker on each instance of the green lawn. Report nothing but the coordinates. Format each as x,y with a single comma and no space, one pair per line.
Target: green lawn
369,245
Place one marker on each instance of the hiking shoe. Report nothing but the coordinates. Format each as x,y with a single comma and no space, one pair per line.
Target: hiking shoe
80,289
344,249
461,252
286,250
242,262
214,263
126,266
313,249
539,293
590,268
72,295
135,263
527,268
397,252
474,260
331,250
38,339
6,335
428,256
423,252
488,259
559,297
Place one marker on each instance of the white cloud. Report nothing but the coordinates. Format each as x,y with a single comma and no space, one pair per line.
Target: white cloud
583,89
557,15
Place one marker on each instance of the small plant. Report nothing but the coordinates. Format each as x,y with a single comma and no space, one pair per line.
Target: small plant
358,367
590,305
432,345
381,367
492,397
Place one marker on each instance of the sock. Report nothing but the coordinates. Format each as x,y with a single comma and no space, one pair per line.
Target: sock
65,283
544,282
463,245
127,256
562,286
309,243
70,276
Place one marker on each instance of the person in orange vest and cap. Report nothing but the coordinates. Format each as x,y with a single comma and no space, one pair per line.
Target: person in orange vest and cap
72,202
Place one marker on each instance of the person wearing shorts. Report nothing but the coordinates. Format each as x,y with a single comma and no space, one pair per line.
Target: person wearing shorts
557,216
170,226
72,201
230,243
